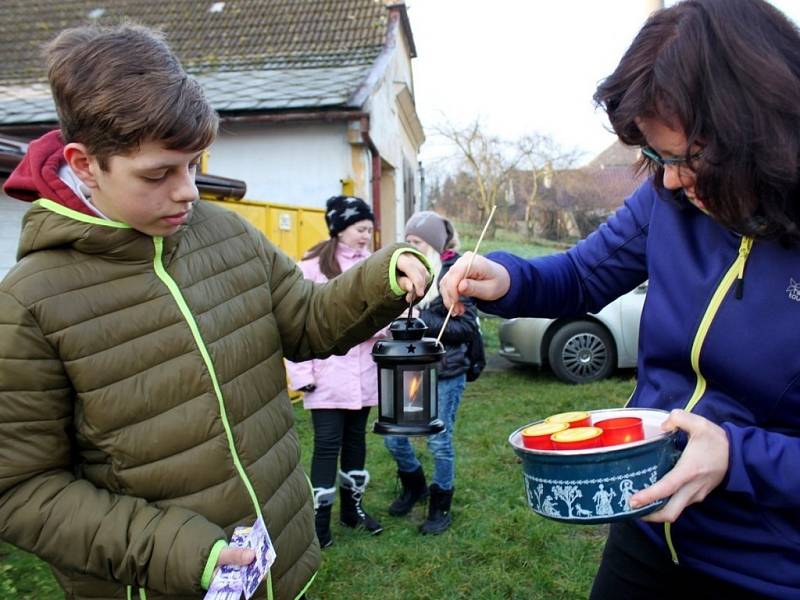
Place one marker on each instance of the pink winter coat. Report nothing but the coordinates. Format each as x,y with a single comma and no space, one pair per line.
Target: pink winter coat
349,381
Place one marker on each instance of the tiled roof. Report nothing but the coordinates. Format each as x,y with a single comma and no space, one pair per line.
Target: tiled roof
596,188
616,155
282,88
248,54
588,188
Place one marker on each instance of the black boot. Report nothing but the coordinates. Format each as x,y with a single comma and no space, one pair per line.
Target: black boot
323,503
439,518
414,490
322,523
351,492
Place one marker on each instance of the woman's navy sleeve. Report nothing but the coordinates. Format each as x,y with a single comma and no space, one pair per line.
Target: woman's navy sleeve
608,263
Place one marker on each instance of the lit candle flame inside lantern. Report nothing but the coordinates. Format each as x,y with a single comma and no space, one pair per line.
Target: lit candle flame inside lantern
413,388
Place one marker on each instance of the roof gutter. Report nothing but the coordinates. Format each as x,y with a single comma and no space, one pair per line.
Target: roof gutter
304,116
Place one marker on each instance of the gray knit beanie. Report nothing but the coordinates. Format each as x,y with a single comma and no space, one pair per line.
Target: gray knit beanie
431,228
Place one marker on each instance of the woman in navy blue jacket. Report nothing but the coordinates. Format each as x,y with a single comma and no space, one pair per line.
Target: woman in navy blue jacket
710,92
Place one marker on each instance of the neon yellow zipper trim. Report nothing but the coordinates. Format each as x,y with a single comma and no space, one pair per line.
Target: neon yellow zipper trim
187,314
734,272
173,288
162,274
79,216
129,593
304,590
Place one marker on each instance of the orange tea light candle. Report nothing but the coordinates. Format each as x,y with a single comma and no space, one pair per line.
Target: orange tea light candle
621,430
577,438
537,436
573,419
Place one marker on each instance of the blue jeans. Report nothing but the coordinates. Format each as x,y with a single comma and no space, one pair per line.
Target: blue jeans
441,444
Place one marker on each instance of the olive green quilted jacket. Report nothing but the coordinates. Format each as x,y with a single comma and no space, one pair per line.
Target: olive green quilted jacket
143,403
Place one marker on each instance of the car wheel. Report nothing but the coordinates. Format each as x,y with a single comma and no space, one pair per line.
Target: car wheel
582,351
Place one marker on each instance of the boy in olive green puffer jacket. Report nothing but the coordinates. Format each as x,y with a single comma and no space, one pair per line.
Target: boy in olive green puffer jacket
143,404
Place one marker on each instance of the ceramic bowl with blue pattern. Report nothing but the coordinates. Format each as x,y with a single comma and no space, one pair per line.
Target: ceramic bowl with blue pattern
594,485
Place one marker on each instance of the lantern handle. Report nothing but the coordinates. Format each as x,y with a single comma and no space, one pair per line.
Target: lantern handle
466,273
410,306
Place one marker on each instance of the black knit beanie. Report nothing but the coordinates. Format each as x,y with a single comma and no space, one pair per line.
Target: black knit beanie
343,211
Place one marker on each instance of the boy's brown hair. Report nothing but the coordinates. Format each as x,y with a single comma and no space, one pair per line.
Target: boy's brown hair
118,87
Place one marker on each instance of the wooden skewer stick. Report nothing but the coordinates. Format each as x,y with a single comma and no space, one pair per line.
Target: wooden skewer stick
466,273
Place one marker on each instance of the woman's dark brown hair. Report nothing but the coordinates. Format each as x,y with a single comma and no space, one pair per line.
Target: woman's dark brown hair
728,72
326,250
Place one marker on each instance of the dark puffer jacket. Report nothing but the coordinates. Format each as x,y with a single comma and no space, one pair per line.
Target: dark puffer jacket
459,332
143,403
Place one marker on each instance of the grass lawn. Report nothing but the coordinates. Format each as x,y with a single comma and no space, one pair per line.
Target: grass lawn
496,547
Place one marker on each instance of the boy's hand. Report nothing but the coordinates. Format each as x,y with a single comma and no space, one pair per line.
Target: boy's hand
238,557
412,275
487,280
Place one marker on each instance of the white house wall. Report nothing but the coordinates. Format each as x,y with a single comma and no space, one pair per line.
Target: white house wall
11,212
297,164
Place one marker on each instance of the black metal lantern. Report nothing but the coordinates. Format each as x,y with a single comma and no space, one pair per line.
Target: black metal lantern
408,400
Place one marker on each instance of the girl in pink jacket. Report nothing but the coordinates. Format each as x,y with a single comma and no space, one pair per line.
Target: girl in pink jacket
339,390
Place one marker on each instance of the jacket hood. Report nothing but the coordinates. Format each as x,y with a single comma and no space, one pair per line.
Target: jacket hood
37,175
49,225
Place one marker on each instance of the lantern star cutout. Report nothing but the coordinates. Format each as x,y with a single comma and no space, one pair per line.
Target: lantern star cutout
411,348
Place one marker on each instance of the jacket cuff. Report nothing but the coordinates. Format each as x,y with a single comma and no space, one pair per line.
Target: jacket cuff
398,291
211,563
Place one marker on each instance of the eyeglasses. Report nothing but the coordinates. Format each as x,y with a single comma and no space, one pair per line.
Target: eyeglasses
672,161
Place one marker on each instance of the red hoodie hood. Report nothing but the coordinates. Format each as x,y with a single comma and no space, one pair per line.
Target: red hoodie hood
37,175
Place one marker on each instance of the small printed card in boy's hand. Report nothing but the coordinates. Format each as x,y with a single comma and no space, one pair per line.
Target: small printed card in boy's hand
230,582
254,573
227,585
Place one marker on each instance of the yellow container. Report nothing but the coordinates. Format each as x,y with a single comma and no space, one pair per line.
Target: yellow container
294,229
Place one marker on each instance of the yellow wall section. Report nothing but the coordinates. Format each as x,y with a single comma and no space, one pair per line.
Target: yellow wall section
293,229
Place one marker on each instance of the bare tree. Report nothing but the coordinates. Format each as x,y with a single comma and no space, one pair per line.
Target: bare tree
540,156
488,159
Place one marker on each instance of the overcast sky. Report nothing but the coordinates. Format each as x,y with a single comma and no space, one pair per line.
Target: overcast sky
523,65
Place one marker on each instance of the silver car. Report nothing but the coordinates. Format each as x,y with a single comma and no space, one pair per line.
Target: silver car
578,349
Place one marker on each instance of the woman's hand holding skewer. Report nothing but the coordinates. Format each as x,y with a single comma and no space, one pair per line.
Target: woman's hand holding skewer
487,280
